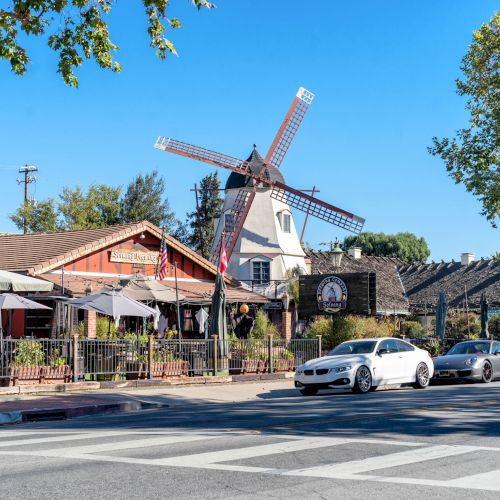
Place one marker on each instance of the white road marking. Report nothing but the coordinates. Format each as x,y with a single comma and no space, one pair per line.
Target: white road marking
358,470
347,470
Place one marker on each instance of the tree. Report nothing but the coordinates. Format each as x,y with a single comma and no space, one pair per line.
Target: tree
145,199
405,246
79,31
201,221
41,217
473,156
99,207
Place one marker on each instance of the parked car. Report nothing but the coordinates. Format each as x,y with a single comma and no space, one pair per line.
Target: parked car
363,365
477,360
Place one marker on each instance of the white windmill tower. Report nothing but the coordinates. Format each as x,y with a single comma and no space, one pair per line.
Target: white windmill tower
256,225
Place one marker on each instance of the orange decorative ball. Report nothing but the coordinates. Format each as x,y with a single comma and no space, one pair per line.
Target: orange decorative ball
244,309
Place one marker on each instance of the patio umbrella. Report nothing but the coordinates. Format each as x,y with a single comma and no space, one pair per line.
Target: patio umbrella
441,312
141,287
484,317
218,325
9,301
112,303
16,282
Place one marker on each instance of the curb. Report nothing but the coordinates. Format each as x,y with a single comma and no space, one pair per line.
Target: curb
33,415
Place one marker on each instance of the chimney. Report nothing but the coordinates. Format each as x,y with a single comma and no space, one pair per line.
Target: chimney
467,258
354,252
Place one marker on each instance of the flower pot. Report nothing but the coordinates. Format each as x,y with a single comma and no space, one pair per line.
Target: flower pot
283,364
135,370
25,375
55,374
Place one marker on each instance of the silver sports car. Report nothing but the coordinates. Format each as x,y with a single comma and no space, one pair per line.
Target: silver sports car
477,360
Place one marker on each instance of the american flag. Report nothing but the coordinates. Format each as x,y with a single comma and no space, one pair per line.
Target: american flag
163,261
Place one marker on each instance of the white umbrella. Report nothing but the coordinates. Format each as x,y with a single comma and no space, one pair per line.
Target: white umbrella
11,301
112,303
140,287
20,283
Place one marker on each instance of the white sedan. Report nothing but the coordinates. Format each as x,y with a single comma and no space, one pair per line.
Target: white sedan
362,365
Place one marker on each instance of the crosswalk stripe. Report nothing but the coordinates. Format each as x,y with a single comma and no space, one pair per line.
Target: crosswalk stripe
54,439
350,469
483,481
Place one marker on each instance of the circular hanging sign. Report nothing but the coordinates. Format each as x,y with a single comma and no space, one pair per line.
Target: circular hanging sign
332,295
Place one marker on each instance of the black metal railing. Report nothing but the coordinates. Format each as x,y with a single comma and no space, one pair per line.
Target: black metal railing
24,361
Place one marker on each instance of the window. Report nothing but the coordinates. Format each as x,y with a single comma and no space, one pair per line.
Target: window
229,223
363,347
404,346
261,272
285,222
388,345
495,348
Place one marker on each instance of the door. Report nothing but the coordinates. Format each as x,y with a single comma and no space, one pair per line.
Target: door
408,367
387,364
495,348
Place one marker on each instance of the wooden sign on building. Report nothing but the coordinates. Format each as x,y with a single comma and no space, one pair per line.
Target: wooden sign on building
349,293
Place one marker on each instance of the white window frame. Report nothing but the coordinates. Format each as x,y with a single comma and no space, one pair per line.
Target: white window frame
260,280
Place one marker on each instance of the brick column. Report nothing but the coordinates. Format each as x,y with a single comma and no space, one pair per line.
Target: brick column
286,325
89,327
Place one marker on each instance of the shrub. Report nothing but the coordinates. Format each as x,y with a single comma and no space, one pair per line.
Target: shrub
28,353
457,326
338,329
414,329
494,326
433,346
262,327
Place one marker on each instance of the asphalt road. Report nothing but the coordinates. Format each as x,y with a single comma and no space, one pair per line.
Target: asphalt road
266,441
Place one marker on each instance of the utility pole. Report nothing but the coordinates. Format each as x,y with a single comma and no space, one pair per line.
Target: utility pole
28,179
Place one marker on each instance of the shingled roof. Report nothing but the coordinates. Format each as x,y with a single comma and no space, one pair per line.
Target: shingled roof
424,282
36,254
390,291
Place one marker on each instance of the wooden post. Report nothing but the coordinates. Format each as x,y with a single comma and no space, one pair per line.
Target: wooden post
151,347
215,340
75,358
319,345
270,353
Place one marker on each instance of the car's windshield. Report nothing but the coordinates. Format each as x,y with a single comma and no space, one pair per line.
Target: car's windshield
363,347
470,348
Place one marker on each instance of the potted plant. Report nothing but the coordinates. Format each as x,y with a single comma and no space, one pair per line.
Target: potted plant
27,363
57,369
284,361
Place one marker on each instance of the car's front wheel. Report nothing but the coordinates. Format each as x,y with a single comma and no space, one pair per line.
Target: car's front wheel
487,374
308,391
422,378
363,380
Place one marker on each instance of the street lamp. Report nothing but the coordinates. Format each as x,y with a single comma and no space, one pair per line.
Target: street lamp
337,255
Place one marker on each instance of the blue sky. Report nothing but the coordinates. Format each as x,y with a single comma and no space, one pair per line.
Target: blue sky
383,73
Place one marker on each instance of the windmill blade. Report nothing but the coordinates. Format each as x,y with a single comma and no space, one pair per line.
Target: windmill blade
239,212
202,154
289,127
317,208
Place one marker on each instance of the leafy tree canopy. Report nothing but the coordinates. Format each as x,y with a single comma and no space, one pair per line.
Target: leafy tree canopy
405,246
201,221
145,199
473,156
77,30
40,217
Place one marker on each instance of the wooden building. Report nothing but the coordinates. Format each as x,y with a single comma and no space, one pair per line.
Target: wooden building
83,262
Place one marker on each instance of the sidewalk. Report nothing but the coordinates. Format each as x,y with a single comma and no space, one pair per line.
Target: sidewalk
25,408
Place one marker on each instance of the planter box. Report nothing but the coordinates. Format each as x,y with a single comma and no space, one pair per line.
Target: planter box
28,375
253,366
160,369
283,365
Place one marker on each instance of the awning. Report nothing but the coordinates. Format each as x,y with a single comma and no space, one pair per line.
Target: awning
14,282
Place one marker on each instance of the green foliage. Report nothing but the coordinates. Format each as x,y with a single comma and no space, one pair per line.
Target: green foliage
77,30
494,326
102,325
145,199
28,353
40,217
414,329
459,325
99,207
433,347
405,246
292,277
473,156
133,338
55,359
201,221
262,327
339,329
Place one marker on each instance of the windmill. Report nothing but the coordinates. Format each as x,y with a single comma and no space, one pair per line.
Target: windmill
255,175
